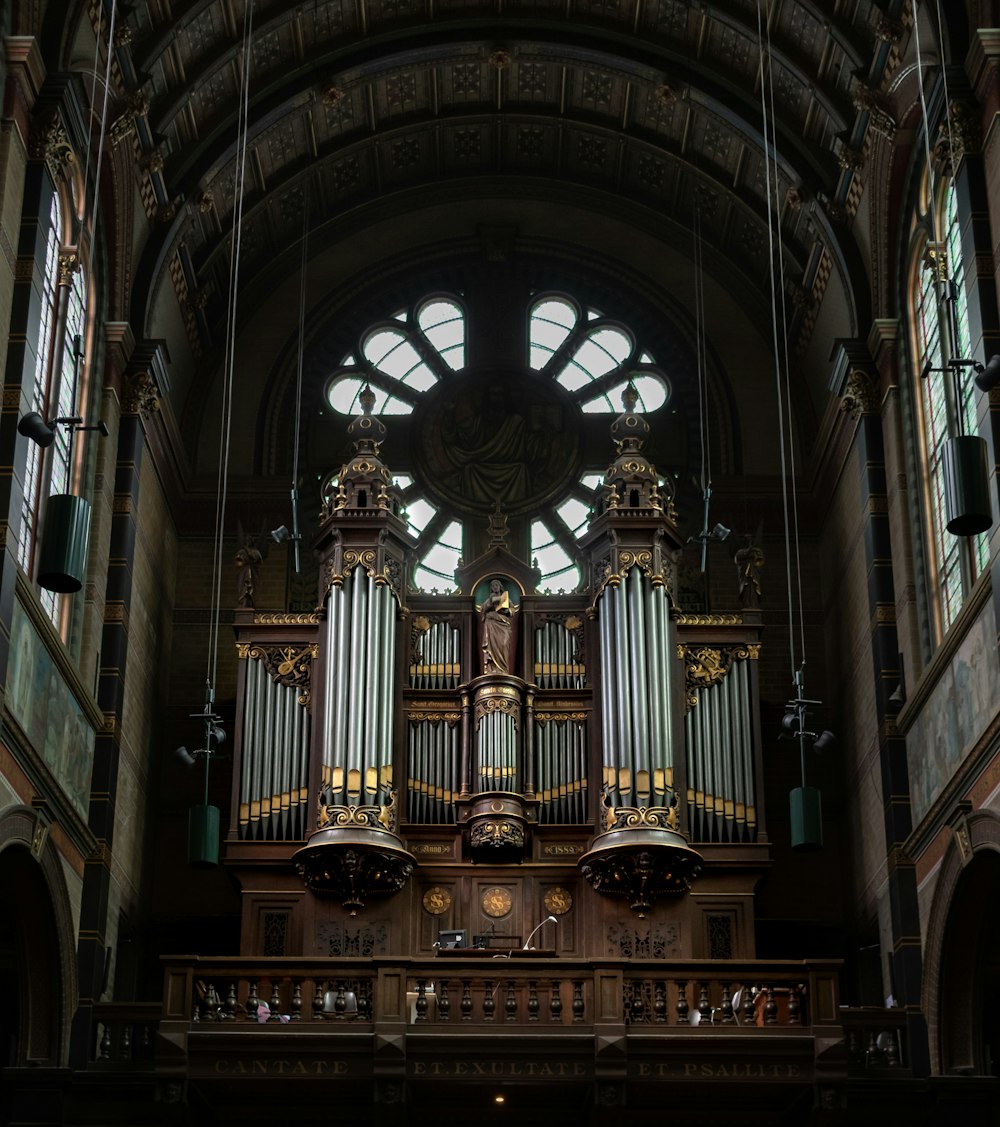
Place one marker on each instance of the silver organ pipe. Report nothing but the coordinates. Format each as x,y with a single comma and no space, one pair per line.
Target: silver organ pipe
636,692
360,642
274,778
720,759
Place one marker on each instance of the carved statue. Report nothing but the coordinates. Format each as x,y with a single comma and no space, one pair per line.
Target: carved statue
749,560
248,560
497,629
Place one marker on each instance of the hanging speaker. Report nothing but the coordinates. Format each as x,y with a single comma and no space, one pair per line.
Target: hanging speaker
807,819
966,485
203,837
62,554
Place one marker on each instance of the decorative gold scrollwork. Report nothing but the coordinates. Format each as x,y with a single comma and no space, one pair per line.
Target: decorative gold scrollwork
286,665
705,666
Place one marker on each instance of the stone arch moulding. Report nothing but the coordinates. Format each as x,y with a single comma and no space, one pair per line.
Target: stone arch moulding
973,835
21,826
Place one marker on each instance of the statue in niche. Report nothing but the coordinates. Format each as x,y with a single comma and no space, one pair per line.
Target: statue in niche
749,560
249,557
498,627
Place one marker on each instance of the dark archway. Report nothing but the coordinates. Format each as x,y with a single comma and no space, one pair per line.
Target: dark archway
37,976
962,983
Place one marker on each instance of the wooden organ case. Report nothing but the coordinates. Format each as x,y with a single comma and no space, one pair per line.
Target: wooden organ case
581,770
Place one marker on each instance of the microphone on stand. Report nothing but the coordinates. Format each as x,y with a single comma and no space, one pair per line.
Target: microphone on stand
527,943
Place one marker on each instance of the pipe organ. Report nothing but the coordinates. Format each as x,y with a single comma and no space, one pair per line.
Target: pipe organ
495,715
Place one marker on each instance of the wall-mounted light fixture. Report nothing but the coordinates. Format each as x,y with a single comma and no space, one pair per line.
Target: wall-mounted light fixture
62,551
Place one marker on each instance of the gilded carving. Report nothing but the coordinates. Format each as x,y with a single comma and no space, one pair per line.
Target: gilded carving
269,619
709,620
49,142
68,264
417,716
560,717
286,665
140,395
936,261
705,666
860,395
496,833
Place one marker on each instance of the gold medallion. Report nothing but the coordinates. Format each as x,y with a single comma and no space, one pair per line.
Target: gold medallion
558,901
496,902
437,900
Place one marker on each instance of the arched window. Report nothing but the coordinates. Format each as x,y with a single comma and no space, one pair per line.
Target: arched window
576,361
939,323
59,379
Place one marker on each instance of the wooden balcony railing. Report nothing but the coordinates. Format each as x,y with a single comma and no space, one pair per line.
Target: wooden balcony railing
427,993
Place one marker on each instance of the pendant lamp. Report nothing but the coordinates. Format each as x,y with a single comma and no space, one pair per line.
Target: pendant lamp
967,485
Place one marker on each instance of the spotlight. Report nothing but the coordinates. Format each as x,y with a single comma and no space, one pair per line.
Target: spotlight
217,733
898,698
40,432
184,756
280,535
825,741
987,378
790,723
720,532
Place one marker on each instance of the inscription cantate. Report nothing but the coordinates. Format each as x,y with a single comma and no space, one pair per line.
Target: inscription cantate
280,1066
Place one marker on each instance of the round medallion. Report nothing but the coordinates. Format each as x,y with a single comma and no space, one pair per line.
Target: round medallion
496,902
558,901
497,436
437,900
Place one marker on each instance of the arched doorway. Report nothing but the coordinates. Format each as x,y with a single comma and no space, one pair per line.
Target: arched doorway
962,996
37,979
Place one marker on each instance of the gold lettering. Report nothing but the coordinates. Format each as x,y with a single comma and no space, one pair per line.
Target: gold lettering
239,1066
299,1068
793,1070
461,1068
222,1066
259,1066
690,1069
419,1068
319,1067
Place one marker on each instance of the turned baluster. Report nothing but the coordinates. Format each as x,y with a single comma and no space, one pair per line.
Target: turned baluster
510,1006
683,1009
578,1001
891,1049
770,1007
252,1002
319,989
125,1042
794,1006
340,1002
466,1005
660,1000
727,1006
229,1009
421,1003
532,1002
105,1048
749,1006
296,1006
489,1004
275,1002
555,1002
210,1007
704,1005
444,1001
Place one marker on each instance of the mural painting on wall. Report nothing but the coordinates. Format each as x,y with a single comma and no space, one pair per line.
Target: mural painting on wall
951,719
42,704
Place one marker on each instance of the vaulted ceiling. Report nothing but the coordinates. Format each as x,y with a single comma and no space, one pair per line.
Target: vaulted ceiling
647,112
